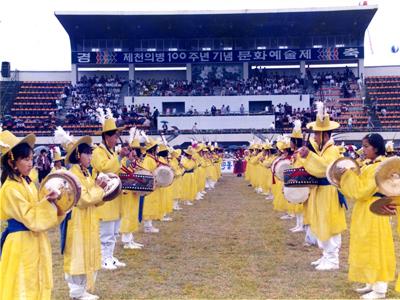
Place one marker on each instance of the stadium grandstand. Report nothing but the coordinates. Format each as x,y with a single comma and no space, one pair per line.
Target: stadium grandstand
220,75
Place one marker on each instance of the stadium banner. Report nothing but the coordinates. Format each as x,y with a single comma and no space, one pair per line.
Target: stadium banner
218,56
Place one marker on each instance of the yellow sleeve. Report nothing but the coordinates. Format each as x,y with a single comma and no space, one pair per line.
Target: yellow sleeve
102,163
90,196
358,187
149,164
316,165
37,216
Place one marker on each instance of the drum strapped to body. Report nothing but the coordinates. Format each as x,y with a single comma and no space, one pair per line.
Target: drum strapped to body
66,184
141,182
297,183
163,175
113,187
280,166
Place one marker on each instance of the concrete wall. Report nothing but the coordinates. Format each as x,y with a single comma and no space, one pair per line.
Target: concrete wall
219,122
382,71
202,103
245,137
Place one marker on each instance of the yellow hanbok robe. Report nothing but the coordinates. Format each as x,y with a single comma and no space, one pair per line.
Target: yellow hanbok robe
166,195
152,202
106,161
248,168
178,180
129,207
82,247
266,174
371,250
189,181
324,212
26,263
279,202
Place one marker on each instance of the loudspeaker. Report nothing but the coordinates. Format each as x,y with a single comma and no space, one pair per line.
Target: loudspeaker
5,69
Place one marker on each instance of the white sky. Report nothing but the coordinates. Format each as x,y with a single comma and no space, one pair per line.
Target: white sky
31,37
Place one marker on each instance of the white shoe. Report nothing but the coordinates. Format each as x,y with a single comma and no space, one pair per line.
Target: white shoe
151,230
166,219
118,263
138,244
374,295
298,229
286,217
188,203
317,262
327,266
366,289
293,228
178,208
86,296
131,245
108,264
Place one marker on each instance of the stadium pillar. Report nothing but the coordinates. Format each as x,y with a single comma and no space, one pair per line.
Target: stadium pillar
361,68
131,72
245,70
189,72
303,69
74,74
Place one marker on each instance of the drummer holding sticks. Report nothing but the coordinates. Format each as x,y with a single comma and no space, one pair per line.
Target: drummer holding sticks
106,160
325,211
80,243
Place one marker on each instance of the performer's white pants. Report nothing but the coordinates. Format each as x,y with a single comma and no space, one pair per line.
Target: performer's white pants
331,248
126,238
108,237
310,237
77,284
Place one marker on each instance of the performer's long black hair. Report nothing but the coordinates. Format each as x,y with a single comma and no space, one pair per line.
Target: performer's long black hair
20,151
82,148
376,141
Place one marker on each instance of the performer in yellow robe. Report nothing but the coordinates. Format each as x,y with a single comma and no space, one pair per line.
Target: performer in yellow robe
130,199
106,160
280,203
296,142
25,262
166,193
152,203
178,180
80,243
325,210
189,181
371,253
58,162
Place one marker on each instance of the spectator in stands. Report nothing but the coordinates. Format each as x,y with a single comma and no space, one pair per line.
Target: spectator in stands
206,112
228,109
350,123
241,109
155,115
164,127
195,112
383,112
213,110
43,164
272,126
194,128
223,109
370,124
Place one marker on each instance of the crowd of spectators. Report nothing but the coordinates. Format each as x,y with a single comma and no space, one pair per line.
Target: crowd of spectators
100,92
260,84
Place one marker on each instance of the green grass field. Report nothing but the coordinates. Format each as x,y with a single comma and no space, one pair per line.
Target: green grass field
229,245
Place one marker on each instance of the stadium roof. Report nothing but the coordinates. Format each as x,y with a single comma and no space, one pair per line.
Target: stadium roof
217,24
